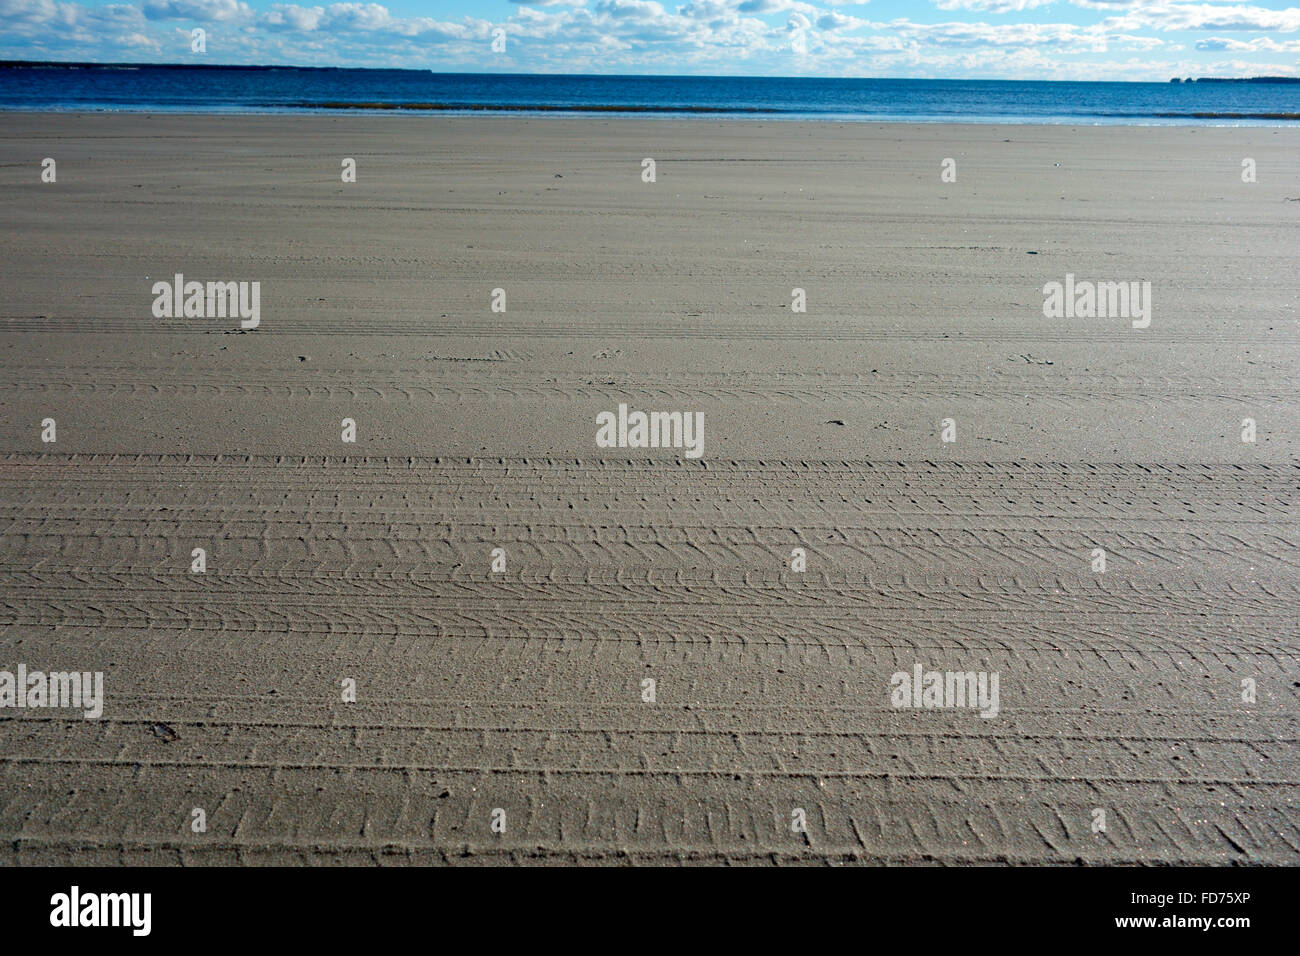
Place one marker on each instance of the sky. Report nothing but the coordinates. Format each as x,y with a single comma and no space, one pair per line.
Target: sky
993,39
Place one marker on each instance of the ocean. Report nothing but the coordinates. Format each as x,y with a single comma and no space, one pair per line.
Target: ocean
209,89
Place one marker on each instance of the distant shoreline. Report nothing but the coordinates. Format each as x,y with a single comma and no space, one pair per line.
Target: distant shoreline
272,67
1237,79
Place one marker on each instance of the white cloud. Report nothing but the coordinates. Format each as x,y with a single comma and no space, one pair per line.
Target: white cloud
992,6
1253,46
289,16
201,11
1205,16
704,36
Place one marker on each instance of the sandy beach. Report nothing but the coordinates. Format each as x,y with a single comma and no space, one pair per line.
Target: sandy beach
826,538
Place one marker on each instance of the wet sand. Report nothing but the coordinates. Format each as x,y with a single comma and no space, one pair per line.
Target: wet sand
523,690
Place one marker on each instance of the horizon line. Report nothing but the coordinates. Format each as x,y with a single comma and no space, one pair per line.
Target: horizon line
10,64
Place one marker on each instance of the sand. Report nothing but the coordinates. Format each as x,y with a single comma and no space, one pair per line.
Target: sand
522,691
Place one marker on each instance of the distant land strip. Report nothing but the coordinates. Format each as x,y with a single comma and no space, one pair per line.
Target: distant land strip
88,65
533,107
1238,79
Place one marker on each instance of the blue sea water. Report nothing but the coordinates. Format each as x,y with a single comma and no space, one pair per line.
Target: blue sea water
85,87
